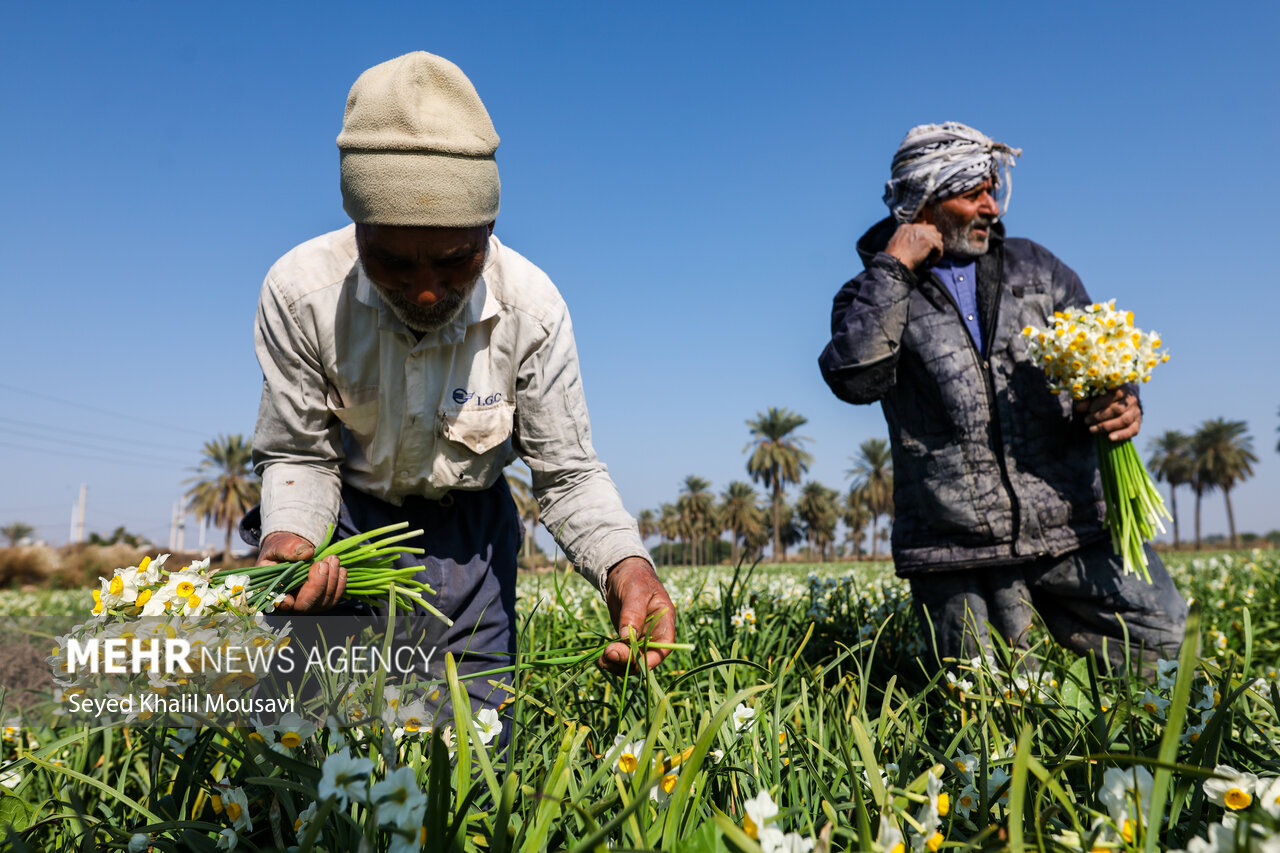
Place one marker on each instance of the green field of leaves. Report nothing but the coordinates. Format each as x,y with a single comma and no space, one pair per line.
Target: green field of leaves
805,717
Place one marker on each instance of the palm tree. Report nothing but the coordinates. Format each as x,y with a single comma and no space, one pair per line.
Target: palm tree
695,507
16,532
1223,453
788,533
1171,463
669,529
777,459
526,508
817,510
740,513
646,524
225,485
872,475
856,517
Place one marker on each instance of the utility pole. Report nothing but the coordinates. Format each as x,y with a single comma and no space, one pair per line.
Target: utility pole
182,525
77,515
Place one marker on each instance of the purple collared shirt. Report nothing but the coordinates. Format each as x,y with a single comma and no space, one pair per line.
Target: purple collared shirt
961,279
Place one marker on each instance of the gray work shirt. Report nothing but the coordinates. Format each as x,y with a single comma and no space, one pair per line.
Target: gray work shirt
350,395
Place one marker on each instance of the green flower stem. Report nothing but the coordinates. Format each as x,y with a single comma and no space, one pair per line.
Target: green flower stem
1134,505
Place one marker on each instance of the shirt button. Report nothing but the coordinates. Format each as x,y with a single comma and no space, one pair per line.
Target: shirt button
969,316
960,277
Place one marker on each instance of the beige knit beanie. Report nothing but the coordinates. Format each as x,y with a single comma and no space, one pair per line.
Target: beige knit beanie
417,147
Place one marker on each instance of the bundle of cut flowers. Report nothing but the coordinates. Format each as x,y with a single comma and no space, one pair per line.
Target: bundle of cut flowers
1088,352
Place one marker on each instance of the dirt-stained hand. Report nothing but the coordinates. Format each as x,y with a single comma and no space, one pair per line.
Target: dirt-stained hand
916,244
325,583
637,603
1115,414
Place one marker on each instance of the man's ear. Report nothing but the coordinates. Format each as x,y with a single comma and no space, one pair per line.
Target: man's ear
926,215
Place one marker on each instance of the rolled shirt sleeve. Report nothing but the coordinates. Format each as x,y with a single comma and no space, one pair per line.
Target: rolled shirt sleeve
297,448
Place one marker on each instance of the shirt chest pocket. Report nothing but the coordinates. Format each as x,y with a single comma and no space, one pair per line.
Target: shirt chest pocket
473,443
1034,304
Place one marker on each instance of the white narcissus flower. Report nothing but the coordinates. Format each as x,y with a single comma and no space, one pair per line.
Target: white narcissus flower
398,798
1154,704
758,810
1126,795
344,777
1209,698
227,839
629,757
967,801
661,792
996,780
889,839
1166,673
488,724
303,823
792,842
139,842
236,805
743,717
1234,791
964,763
1268,794
293,730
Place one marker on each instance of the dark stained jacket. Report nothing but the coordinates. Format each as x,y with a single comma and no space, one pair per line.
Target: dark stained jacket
989,467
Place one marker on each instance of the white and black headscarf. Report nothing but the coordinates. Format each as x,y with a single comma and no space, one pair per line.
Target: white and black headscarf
937,161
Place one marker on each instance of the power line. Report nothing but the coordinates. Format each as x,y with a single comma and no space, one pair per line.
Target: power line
81,445
94,435
128,417
128,462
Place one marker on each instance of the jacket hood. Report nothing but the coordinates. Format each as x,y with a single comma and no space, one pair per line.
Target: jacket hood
877,237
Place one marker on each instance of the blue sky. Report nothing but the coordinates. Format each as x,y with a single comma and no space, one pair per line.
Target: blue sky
692,176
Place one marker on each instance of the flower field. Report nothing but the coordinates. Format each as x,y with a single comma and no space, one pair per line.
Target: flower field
805,717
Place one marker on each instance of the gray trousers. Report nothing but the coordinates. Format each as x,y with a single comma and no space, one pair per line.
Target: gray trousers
471,540
1082,598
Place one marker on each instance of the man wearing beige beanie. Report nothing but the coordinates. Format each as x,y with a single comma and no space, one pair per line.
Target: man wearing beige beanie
408,358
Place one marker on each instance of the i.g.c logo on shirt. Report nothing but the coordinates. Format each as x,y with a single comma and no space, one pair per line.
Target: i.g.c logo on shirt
462,396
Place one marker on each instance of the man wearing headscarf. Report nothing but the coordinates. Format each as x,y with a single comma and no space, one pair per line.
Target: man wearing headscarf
407,359
998,507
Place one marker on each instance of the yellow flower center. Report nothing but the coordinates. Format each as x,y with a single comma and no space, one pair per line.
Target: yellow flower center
193,601
1150,707
899,848
668,783
256,736
412,724
290,739
185,588
1126,831
1238,799
234,811
934,842
216,801
627,763
750,828
143,563
966,801
944,803
117,585
144,597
